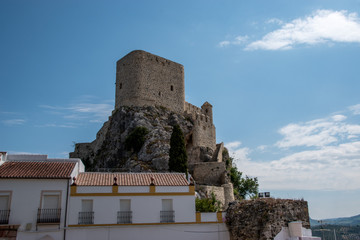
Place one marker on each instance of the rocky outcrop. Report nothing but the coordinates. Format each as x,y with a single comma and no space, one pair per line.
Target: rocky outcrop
263,218
107,152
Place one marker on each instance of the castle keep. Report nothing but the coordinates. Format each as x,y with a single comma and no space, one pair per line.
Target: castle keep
144,79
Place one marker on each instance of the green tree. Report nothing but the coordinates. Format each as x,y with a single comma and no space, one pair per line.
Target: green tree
177,154
243,187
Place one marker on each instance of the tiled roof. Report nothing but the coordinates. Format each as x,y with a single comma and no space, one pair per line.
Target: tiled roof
36,169
131,179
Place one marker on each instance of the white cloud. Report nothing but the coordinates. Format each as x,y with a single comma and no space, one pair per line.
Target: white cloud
329,157
224,43
11,122
275,20
318,133
237,41
91,112
262,147
355,109
329,168
321,27
237,152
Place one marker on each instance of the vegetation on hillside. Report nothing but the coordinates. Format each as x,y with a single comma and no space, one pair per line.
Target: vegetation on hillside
177,154
210,204
243,186
136,139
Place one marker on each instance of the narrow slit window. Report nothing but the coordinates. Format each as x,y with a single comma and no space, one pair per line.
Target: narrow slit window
172,88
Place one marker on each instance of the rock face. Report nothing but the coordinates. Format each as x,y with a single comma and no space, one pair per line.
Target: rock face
263,218
107,152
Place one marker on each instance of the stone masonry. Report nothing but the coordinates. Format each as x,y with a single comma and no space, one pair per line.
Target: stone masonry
263,218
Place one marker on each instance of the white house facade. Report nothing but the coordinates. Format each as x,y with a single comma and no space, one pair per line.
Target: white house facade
34,196
138,206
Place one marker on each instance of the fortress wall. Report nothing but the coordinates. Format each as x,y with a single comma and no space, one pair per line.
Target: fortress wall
210,173
204,131
263,218
144,79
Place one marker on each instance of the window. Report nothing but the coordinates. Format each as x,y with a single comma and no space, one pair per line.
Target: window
5,198
50,210
120,85
86,216
125,213
172,88
167,214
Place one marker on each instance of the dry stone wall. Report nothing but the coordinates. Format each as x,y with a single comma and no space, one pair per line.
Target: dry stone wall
262,219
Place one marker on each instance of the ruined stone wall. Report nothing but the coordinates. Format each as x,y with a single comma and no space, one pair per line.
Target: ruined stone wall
204,134
224,193
210,173
263,218
144,79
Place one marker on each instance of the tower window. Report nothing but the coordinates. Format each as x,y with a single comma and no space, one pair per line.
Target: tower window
160,94
120,85
172,88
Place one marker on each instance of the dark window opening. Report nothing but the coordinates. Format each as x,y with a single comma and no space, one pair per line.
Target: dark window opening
172,88
120,85
160,94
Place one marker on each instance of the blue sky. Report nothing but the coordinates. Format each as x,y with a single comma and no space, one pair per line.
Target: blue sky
282,76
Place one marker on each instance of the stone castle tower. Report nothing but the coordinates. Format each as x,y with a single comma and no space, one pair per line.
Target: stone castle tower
144,79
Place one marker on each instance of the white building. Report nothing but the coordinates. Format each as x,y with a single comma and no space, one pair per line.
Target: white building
34,195
37,203
139,206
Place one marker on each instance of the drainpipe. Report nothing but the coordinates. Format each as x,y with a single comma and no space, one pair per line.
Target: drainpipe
66,207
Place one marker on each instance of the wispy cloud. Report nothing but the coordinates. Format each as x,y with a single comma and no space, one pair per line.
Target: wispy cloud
328,157
321,27
89,112
239,40
318,133
275,21
355,109
12,122
238,152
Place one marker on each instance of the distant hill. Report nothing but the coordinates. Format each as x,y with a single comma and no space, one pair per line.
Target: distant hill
348,221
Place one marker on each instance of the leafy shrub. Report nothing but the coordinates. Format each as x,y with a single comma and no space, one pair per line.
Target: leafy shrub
208,204
136,139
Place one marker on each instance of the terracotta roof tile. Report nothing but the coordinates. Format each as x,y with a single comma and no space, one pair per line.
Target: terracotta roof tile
38,169
131,179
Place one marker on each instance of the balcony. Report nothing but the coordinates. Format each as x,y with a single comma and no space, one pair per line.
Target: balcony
124,217
86,217
4,216
167,216
48,215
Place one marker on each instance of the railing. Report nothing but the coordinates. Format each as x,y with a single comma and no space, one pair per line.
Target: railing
4,216
86,217
124,217
49,215
167,216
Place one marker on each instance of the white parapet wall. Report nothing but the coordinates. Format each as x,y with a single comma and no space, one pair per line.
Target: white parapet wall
205,231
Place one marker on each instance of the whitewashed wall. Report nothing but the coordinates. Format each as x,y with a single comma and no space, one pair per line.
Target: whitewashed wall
145,209
25,201
215,231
